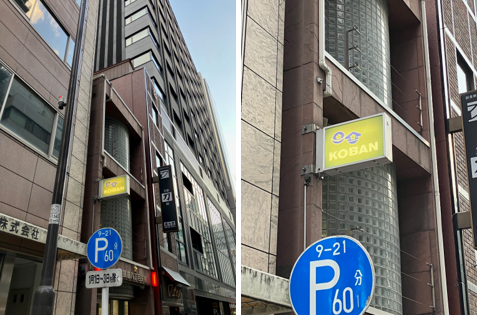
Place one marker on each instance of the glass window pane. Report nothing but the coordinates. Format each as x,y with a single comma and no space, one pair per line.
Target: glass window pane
49,29
26,6
78,2
157,89
58,135
140,35
136,16
461,79
28,116
5,77
141,59
71,52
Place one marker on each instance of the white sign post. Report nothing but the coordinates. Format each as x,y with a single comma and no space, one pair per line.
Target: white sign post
103,250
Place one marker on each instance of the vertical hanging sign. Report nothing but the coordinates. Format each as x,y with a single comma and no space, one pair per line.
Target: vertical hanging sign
168,204
469,128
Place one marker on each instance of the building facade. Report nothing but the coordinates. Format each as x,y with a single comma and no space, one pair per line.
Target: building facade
37,44
452,35
144,106
344,60
196,264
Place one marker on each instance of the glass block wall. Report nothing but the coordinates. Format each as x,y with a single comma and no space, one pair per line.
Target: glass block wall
363,204
370,59
116,212
116,141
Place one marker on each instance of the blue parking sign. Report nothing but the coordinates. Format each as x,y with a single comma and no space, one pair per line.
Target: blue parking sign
104,248
333,276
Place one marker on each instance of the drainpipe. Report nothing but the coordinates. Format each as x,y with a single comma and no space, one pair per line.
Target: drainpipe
440,241
457,234
327,91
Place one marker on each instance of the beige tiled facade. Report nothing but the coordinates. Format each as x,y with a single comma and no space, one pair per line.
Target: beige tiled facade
27,176
261,132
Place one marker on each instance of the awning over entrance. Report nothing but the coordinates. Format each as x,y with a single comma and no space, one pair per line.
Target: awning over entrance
175,276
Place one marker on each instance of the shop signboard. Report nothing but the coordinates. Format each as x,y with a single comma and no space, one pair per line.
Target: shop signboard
469,128
168,204
354,145
114,187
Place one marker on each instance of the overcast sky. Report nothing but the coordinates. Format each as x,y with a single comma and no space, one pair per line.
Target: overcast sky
208,27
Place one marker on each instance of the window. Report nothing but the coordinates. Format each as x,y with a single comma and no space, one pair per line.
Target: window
465,78
157,89
28,116
133,17
142,59
136,37
155,116
128,2
49,28
203,256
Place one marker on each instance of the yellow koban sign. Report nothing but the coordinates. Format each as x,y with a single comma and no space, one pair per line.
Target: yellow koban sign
114,186
345,146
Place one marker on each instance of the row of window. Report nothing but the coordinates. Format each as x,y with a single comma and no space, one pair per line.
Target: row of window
149,56
138,14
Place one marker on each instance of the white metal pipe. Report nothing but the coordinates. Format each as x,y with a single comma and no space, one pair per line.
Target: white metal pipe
440,241
321,49
104,301
304,217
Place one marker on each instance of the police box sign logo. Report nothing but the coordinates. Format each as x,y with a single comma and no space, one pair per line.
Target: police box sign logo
469,128
168,205
354,145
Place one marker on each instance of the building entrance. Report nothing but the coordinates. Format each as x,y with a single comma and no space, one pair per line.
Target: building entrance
116,307
19,278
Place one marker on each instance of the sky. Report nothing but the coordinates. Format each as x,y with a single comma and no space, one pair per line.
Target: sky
208,28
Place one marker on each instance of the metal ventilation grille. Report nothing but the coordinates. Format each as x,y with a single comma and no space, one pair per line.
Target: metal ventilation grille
363,204
116,141
357,35
116,213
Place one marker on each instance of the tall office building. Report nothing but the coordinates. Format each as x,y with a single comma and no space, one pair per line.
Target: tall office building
37,41
196,265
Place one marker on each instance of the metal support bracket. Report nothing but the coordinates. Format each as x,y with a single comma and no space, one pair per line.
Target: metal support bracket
95,198
309,128
455,124
462,220
308,169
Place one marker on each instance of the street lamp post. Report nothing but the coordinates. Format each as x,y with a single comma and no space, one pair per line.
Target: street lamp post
44,298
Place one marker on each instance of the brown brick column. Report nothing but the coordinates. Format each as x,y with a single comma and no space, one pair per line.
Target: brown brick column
302,105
